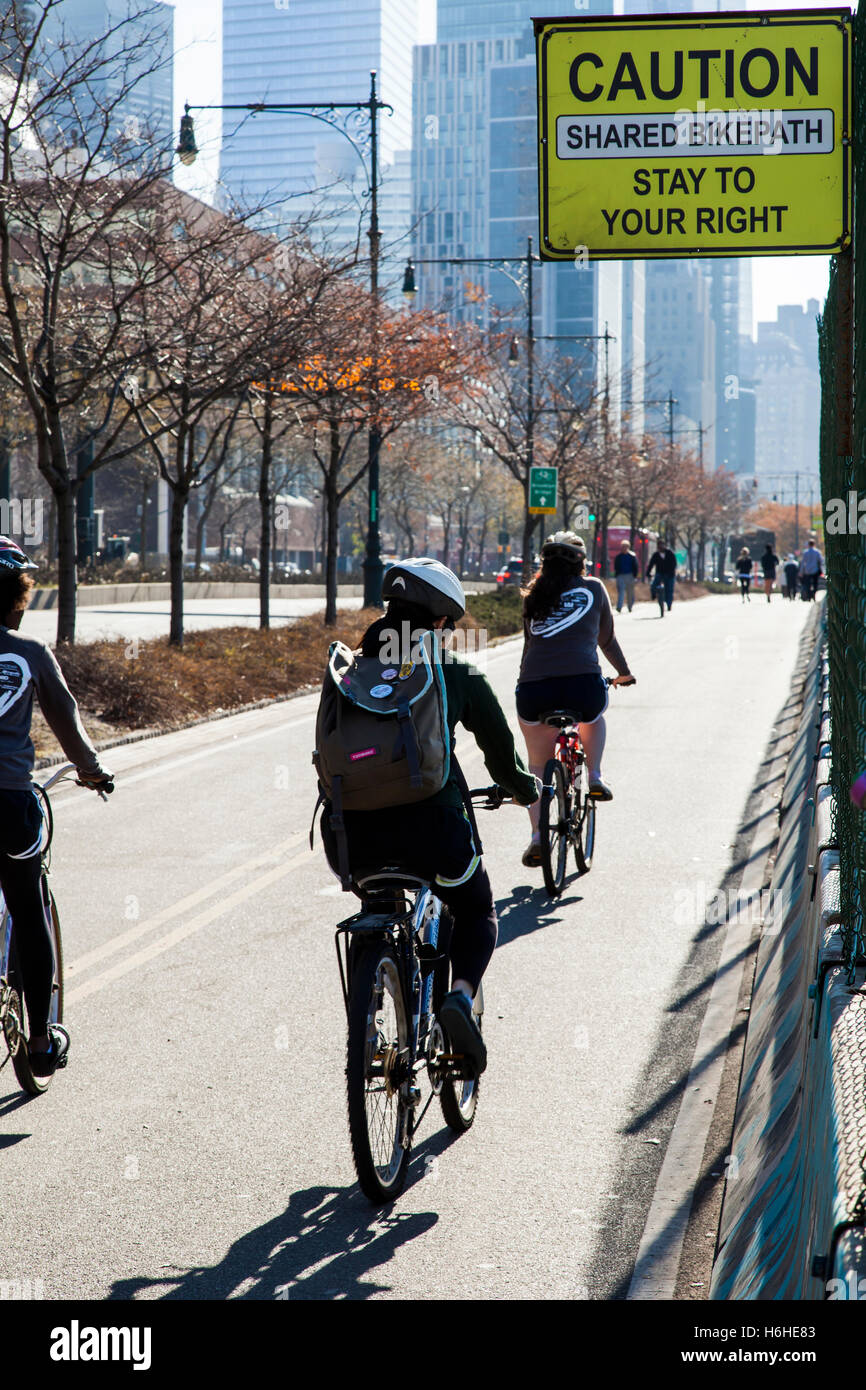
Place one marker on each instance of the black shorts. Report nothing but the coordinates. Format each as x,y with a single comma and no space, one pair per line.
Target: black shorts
585,695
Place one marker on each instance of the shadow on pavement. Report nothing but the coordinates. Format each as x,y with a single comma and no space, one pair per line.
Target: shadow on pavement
530,909
325,1245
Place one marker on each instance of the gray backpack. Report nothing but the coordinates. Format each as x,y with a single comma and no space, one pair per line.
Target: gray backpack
382,735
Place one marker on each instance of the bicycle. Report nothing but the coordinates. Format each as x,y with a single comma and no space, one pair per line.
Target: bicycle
394,971
567,812
657,590
12,1011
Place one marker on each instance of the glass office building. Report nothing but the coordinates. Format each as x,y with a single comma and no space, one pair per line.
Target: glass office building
475,179
319,51
146,109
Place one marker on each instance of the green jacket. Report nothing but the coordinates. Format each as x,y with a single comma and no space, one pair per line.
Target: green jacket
472,703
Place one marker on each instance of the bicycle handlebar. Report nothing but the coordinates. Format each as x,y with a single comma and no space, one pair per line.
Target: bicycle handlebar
493,797
104,789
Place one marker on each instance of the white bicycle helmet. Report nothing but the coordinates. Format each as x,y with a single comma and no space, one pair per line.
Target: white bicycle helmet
12,557
428,583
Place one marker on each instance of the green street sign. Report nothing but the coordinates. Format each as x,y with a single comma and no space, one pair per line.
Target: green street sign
542,490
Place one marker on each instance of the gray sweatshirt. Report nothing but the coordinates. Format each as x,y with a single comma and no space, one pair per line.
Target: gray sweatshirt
27,667
565,642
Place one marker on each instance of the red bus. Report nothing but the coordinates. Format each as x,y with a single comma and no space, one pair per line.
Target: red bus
643,546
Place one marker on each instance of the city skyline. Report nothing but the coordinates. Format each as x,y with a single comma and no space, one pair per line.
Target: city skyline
198,42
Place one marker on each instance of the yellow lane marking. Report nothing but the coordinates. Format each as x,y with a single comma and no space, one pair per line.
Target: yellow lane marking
164,943
117,943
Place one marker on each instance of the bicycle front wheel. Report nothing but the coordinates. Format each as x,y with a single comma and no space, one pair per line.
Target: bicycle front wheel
377,1074
36,1085
553,828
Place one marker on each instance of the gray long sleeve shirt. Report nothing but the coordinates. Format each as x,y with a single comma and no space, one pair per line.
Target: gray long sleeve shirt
565,642
28,668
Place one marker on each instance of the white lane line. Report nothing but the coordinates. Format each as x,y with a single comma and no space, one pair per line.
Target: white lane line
658,1259
164,943
166,914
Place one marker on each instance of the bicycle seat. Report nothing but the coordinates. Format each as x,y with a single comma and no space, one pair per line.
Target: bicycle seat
559,718
390,879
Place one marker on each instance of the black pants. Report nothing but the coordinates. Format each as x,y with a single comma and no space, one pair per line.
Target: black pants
20,881
436,844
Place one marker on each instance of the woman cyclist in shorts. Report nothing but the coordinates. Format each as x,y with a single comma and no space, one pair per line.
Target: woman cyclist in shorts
566,618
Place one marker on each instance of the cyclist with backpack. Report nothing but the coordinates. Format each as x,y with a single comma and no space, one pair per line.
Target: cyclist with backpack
28,668
566,618
393,792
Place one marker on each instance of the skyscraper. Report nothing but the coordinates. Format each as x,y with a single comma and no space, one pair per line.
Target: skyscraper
318,51
475,179
142,54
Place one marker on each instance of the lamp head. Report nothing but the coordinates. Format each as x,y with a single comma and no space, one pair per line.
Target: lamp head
186,146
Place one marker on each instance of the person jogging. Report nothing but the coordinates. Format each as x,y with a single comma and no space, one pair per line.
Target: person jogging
625,568
28,668
664,562
744,570
769,564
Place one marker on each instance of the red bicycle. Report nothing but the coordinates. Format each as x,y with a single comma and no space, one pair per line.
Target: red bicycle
567,813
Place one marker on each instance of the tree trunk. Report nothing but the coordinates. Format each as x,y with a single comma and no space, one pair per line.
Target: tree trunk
201,522
331,549
67,577
265,508
142,558
528,529
482,539
179,499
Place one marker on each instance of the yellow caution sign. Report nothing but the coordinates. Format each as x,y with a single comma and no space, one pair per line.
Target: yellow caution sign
704,135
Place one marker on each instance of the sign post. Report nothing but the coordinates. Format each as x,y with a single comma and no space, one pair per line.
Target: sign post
704,135
542,491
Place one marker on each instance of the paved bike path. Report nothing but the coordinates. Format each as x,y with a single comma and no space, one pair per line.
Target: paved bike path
196,1146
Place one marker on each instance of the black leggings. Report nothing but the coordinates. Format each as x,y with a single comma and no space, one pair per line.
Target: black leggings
20,881
428,840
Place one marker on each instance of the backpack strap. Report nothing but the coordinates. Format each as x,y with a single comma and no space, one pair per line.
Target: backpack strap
467,802
338,826
408,740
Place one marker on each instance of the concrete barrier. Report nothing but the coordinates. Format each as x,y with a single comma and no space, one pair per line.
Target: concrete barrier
109,595
794,1216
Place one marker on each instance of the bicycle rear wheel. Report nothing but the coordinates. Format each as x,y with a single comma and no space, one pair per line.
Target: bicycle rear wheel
377,1057
553,828
36,1085
459,1098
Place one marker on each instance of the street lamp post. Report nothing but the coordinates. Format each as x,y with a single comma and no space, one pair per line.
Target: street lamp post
525,286
187,151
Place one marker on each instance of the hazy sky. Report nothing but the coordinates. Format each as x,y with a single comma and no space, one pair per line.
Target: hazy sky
775,279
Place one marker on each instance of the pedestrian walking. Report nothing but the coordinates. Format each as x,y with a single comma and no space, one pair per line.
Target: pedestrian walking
664,562
769,564
791,570
811,569
625,568
744,570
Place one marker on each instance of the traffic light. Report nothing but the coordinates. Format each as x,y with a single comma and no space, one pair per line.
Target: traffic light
592,516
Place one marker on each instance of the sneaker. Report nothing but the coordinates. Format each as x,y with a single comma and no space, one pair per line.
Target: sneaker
47,1063
600,791
532,855
463,1032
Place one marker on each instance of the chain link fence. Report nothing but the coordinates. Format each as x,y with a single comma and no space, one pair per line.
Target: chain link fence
842,353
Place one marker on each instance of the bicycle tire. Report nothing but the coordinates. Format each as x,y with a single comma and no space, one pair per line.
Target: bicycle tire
378,1037
553,828
38,1085
584,835
459,1099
